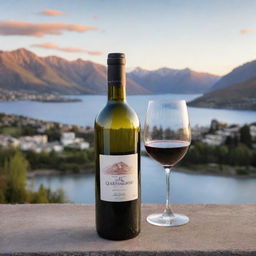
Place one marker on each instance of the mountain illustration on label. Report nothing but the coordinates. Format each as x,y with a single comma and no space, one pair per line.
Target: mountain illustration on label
118,168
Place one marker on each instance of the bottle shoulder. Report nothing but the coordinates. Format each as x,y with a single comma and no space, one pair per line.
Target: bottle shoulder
117,115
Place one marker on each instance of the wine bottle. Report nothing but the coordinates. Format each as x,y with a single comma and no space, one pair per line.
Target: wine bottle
117,149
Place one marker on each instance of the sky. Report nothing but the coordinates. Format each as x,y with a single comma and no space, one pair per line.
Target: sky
207,36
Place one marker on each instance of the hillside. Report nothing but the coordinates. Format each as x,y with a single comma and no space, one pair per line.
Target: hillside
237,75
166,80
238,96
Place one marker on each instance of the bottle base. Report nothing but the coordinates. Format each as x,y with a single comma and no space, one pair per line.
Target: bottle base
117,237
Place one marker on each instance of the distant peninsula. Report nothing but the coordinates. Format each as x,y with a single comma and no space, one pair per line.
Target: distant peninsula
11,95
241,96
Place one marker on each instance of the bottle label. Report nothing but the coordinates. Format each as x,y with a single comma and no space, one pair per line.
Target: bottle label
118,177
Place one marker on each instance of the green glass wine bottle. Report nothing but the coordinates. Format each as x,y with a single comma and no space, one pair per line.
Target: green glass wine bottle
117,150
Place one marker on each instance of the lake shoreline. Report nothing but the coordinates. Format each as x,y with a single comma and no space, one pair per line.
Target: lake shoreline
52,172
208,173
186,170
84,112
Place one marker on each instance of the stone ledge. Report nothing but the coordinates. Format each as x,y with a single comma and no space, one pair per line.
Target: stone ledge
69,229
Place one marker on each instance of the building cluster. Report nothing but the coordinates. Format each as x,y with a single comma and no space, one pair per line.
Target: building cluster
9,95
218,133
39,142
39,125
198,132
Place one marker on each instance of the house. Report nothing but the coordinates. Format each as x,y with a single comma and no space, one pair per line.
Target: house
79,145
8,141
253,130
67,138
214,139
198,132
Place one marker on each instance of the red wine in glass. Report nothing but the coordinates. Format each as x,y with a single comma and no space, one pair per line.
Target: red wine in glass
167,152
167,137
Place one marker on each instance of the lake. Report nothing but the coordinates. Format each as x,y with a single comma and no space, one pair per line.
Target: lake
84,112
185,188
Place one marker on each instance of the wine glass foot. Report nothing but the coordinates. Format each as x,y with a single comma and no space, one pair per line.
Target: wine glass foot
163,220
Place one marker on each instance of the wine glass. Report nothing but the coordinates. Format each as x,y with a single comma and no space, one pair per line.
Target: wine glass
167,137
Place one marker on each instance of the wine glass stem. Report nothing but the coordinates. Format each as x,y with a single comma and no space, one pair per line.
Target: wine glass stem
168,210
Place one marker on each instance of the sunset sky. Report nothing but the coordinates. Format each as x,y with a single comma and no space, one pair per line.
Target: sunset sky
210,36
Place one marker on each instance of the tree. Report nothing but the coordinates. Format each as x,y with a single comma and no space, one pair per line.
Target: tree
53,134
232,141
16,172
214,126
245,136
157,132
2,187
222,153
40,197
44,196
240,156
56,197
13,172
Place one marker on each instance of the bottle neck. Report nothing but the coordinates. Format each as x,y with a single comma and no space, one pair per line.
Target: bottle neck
116,93
116,83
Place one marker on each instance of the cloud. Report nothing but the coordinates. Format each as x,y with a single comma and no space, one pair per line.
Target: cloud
247,31
23,28
49,12
53,46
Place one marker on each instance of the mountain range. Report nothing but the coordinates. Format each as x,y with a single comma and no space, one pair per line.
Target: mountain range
238,96
23,70
236,90
239,74
166,80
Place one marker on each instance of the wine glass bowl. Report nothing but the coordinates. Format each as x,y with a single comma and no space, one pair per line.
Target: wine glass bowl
167,137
